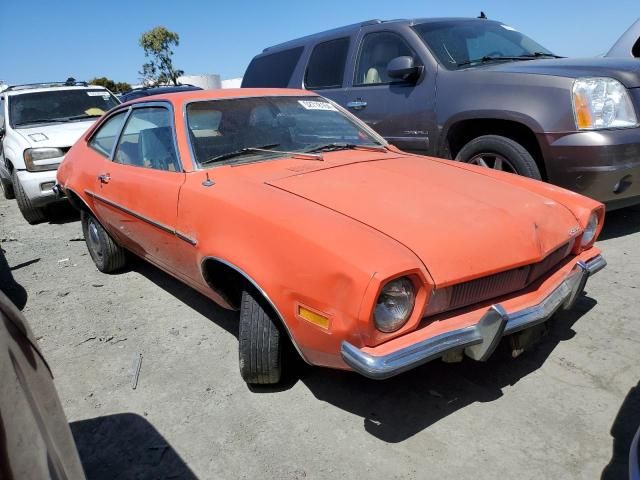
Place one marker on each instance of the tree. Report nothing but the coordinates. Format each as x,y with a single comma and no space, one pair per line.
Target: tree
115,87
157,44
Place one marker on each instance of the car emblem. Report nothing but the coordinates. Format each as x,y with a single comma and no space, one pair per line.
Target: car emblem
573,231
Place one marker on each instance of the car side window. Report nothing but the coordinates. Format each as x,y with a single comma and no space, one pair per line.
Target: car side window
377,50
105,138
273,70
326,64
147,140
1,111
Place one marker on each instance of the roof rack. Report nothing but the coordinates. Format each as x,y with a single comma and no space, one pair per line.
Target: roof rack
27,86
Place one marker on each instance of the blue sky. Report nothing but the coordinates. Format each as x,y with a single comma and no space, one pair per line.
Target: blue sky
46,40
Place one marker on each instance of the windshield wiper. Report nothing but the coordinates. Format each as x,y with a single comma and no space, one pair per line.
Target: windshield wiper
540,55
487,59
42,120
240,152
84,115
329,147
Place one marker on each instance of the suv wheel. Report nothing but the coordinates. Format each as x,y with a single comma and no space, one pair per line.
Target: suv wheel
105,253
500,153
7,189
260,342
30,213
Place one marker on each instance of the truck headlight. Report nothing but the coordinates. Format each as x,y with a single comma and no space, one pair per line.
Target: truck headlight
602,102
590,230
394,305
40,159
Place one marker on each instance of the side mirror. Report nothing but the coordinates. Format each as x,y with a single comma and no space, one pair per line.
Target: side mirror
404,68
2,132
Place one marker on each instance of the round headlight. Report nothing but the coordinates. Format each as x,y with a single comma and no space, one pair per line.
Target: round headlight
394,305
589,230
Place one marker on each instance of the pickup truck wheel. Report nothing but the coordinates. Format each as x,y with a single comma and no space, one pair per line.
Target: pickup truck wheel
7,189
106,254
500,153
30,213
260,342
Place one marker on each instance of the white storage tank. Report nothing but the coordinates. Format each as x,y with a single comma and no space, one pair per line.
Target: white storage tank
208,82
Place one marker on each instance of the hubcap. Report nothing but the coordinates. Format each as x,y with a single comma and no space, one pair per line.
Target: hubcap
94,238
493,160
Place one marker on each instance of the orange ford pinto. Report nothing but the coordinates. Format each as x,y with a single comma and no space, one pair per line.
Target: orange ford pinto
283,205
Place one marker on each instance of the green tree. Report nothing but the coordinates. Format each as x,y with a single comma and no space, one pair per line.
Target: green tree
115,87
157,44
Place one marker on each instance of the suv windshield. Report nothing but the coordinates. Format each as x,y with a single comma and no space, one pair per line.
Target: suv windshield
251,129
459,44
59,106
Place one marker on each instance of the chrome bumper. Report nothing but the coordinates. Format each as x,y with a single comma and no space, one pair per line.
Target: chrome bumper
479,340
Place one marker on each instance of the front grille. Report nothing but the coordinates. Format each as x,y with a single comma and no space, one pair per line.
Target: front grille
503,283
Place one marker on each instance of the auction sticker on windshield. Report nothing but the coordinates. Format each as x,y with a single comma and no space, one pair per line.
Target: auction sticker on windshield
311,105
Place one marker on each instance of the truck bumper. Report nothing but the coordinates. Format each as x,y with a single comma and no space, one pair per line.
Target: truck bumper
604,165
478,340
38,186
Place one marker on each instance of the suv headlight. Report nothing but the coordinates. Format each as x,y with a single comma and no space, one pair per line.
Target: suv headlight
601,102
590,230
394,305
39,159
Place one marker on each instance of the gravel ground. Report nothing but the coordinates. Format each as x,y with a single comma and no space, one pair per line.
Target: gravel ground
563,410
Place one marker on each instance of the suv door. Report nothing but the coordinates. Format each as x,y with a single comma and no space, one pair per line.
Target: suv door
136,187
326,68
401,111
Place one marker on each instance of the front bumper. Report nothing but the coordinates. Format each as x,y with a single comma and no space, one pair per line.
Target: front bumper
479,340
604,165
38,186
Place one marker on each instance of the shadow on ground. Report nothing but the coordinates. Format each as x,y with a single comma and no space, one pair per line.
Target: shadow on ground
126,446
62,212
398,408
8,285
623,429
620,223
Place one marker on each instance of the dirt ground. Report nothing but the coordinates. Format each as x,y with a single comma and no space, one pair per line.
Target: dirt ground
564,410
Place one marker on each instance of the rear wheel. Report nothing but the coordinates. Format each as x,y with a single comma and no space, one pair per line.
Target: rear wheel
260,342
500,153
106,254
30,213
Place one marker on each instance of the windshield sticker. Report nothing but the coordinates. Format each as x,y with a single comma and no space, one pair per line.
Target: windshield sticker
104,95
311,105
507,27
38,137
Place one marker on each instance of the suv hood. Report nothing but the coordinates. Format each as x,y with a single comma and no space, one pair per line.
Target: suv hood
626,70
54,135
460,223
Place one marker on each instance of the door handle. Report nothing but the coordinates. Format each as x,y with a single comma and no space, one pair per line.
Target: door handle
104,178
357,104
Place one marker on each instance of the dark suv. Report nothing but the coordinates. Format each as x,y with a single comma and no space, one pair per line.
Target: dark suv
477,91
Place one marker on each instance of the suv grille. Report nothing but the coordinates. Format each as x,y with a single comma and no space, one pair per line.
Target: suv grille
503,283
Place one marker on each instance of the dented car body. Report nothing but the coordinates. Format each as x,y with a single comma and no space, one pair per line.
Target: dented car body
281,204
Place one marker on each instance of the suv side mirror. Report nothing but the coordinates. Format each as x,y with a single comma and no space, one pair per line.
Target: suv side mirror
404,68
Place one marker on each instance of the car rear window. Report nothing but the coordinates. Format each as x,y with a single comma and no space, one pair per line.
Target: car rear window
326,65
272,71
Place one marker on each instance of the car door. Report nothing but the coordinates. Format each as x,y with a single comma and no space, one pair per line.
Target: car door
401,111
136,188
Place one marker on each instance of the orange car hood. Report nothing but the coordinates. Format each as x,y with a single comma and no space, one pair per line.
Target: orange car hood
461,224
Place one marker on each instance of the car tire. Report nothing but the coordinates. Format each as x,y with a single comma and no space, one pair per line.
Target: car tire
30,213
105,253
260,342
500,153
7,189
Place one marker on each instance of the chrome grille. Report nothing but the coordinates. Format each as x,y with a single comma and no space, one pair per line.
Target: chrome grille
503,283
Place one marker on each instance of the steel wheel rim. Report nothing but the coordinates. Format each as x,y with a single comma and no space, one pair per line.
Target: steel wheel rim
494,161
93,238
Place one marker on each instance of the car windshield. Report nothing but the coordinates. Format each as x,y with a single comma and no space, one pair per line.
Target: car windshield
250,129
56,106
461,44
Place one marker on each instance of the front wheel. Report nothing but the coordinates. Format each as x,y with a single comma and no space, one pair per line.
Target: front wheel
500,153
260,342
106,254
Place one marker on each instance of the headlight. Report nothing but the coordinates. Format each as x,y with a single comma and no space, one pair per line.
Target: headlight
602,102
590,230
39,159
394,305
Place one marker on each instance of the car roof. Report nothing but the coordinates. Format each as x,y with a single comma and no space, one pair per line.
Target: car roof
225,93
349,29
26,91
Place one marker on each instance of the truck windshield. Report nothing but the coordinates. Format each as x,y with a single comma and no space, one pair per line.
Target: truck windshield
261,128
462,44
55,106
